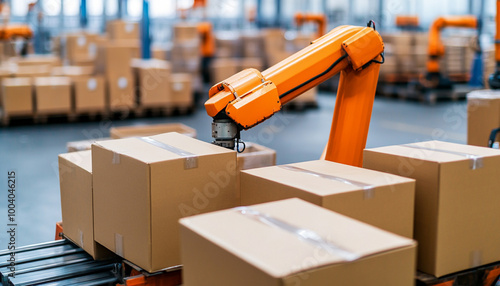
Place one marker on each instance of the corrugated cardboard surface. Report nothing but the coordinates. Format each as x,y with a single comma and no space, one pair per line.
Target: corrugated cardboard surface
53,95
75,178
141,190
483,115
17,96
90,93
181,88
389,205
456,217
250,252
148,130
121,91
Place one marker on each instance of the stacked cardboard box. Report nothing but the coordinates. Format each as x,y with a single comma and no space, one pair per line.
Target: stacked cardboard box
291,242
122,30
39,60
143,186
89,94
252,44
72,71
17,97
401,53
489,64
31,71
274,46
456,215
114,62
181,90
228,45
80,47
379,199
458,56
185,53
149,130
75,178
483,115
52,95
153,82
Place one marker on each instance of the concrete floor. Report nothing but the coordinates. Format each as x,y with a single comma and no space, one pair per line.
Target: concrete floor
31,150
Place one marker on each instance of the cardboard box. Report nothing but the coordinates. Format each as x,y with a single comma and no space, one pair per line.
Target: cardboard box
159,53
153,81
228,45
75,178
121,91
382,200
256,156
90,94
114,58
82,145
32,71
307,97
185,32
73,71
149,130
222,69
483,115
120,30
80,45
52,95
291,242
181,89
142,189
40,60
17,96
187,50
456,217
252,44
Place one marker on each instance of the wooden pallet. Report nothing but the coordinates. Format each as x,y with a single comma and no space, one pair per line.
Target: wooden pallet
413,91
487,275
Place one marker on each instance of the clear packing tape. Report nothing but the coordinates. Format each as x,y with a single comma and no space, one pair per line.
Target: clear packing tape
368,190
303,234
476,161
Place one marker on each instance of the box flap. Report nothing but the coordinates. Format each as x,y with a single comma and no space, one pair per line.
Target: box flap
323,186
438,151
83,159
281,252
148,153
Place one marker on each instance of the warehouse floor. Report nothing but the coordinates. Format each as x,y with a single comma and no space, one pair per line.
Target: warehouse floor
31,150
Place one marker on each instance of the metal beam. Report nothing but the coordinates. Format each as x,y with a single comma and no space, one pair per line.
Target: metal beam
277,20
104,15
259,20
380,14
84,20
145,36
120,9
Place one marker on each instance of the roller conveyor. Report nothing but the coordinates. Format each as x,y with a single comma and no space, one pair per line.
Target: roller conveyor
56,263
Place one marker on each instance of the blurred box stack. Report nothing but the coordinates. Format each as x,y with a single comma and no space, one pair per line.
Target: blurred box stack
81,48
152,78
489,64
457,62
185,53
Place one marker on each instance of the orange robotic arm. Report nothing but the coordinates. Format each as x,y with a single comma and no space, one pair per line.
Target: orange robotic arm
404,21
319,19
436,47
250,97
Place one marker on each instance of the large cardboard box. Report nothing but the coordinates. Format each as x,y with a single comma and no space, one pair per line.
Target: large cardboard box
121,91
224,68
80,45
114,59
483,115
52,95
90,94
291,242
382,200
142,188
251,63
149,130
181,88
17,96
456,210
185,32
253,45
75,179
153,81
120,30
